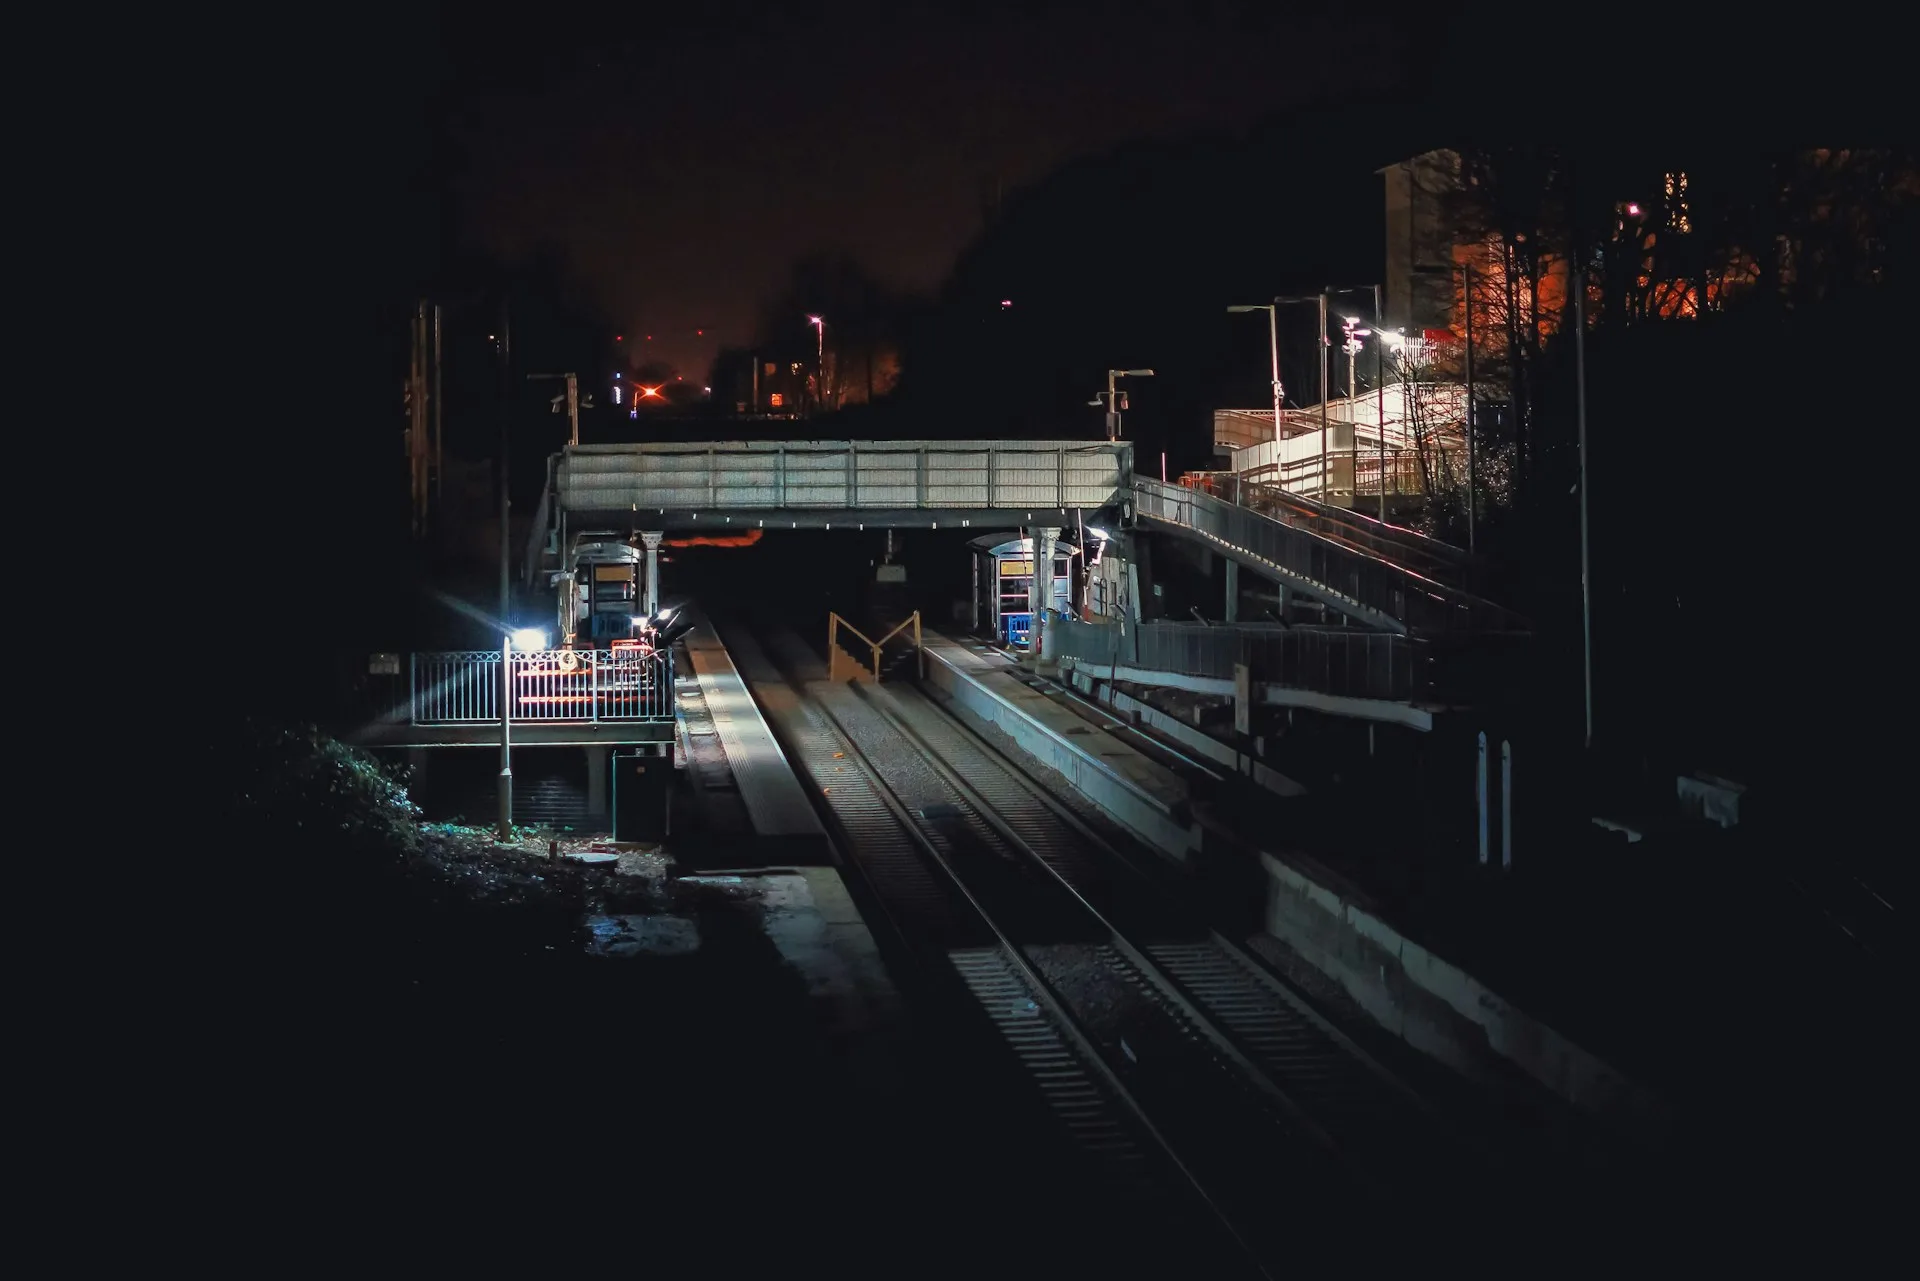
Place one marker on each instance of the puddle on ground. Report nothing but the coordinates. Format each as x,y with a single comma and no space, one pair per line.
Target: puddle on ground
638,935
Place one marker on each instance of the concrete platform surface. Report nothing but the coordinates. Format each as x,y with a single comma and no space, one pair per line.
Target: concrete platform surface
1142,794
776,805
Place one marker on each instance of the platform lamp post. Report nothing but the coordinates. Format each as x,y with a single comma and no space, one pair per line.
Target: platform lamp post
1273,345
1114,397
1326,392
572,401
1380,398
505,830
1319,300
1356,331
506,431
527,640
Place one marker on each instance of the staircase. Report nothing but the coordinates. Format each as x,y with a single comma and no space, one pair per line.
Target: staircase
845,665
852,655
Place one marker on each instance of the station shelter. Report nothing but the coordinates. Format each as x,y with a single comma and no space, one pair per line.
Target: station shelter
1004,599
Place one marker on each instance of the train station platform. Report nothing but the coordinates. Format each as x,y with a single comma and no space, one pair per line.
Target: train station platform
1671,989
780,823
1461,1005
1143,795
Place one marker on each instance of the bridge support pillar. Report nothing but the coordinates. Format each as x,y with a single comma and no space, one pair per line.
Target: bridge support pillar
597,770
976,591
1040,588
1233,590
652,539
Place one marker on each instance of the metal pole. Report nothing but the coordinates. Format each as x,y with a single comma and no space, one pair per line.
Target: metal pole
976,593
439,417
1084,596
1380,396
573,410
1033,586
1113,409
1325,356
1580,390
421,447
1273,344
506,739
506,423
1472,502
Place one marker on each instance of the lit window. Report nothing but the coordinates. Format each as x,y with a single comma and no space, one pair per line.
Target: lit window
775,400
1678,215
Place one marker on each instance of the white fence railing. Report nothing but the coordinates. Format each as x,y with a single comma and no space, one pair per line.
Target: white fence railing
464,686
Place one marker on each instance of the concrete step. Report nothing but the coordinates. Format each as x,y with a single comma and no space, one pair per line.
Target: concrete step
845,665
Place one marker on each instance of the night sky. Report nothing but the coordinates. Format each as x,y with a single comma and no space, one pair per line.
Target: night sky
683,168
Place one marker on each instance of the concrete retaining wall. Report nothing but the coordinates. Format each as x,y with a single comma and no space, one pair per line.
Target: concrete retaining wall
1435,1006
1425,1000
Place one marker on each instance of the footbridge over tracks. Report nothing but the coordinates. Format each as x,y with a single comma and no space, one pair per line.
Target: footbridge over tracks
1375,575
729,486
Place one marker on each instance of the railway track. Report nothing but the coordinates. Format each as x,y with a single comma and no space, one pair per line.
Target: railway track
1269,1112
1135,1184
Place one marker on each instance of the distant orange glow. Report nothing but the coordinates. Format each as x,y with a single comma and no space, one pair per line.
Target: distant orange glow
650,393
747,539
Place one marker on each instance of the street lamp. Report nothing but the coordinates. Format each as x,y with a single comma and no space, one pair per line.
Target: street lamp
572,401
1356,331
1273,346
1319,300
504,787
1116,399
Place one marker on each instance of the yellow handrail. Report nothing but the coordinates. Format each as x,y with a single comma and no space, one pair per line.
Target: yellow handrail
834,651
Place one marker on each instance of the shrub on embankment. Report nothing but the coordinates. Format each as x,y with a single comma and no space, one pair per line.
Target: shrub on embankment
297,789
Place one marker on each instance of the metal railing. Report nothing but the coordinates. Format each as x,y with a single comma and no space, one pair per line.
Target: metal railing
838,658
1410,549
463,687
1363,584
1340,661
